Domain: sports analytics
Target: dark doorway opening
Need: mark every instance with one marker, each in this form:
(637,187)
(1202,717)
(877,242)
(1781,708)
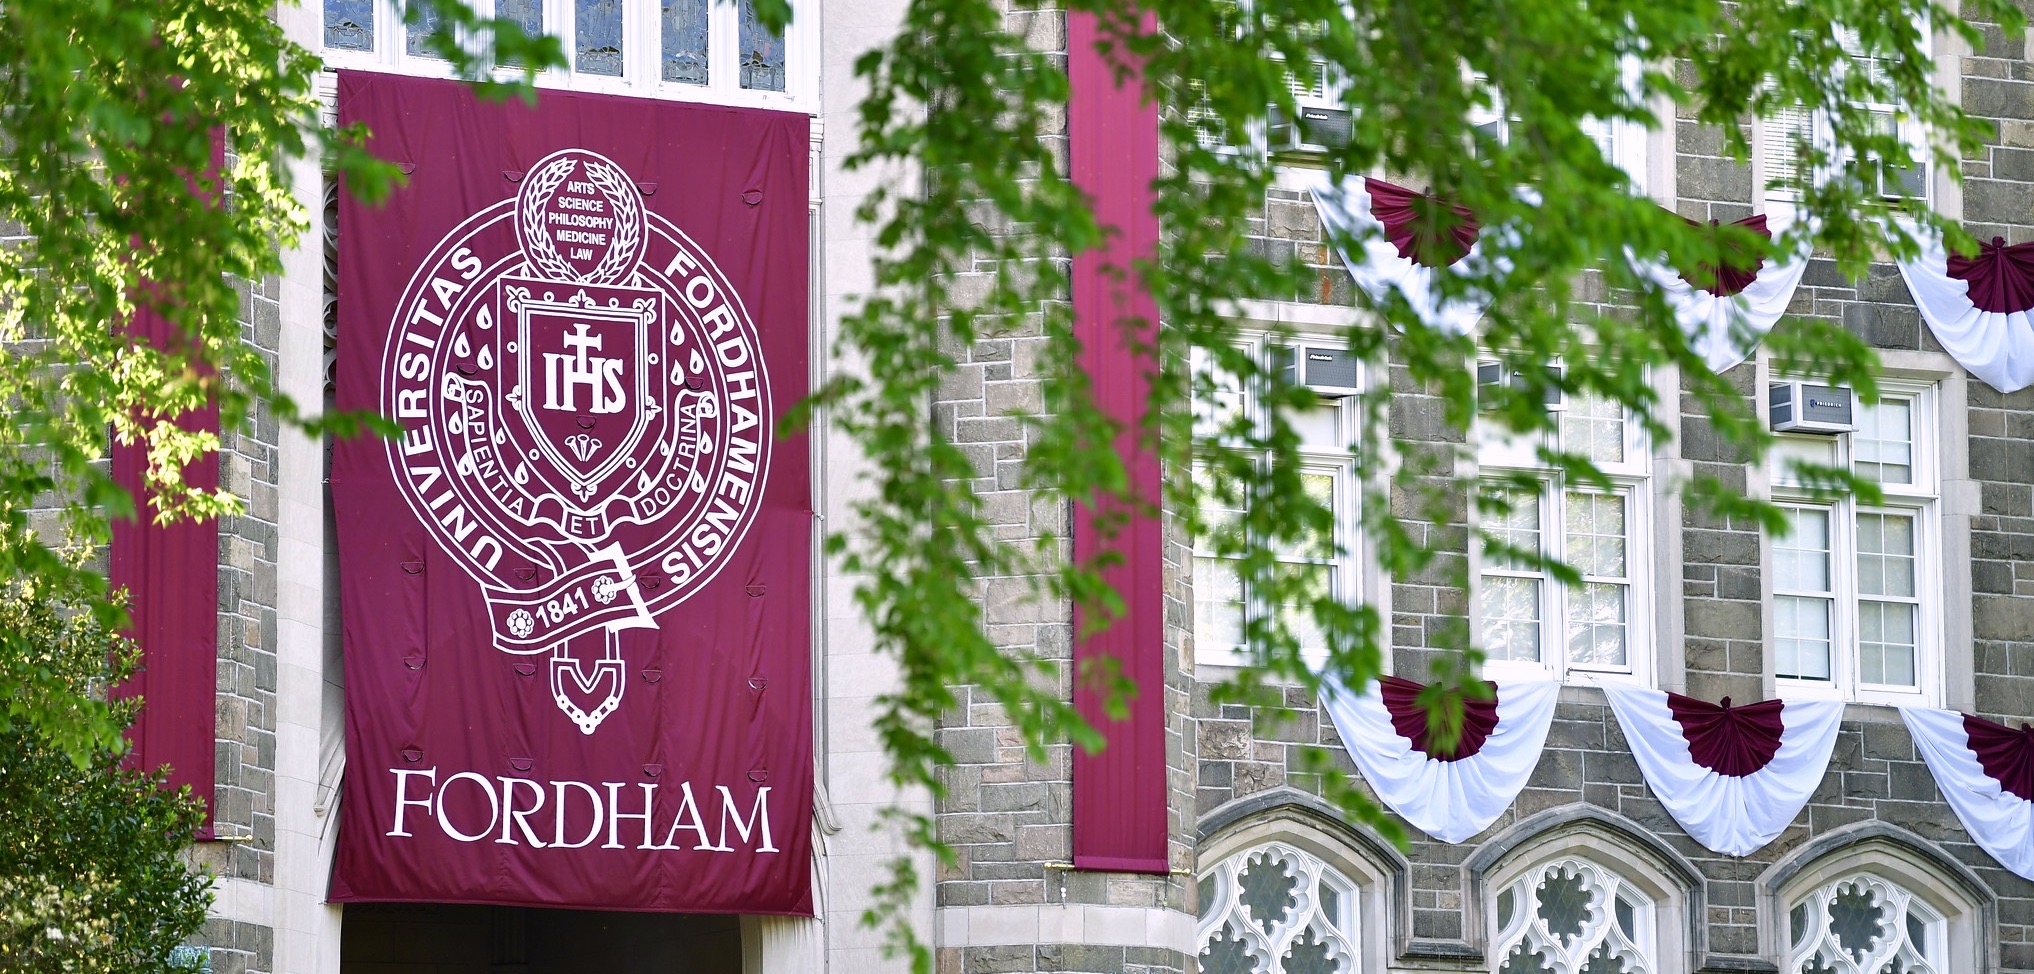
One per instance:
(432,938)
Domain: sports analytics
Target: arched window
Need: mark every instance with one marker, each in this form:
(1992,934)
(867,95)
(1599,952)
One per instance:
(1872,898)
(1571,916)
(1863,924)
(1276,909)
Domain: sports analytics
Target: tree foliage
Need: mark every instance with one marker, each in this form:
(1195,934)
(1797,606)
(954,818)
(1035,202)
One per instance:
(108,112)
(91,879)
(111,202)
(969,105)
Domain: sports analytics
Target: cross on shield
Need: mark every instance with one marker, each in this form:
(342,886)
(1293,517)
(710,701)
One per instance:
(583,371)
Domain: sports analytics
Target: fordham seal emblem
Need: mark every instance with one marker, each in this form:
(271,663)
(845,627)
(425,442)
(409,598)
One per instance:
(588,418)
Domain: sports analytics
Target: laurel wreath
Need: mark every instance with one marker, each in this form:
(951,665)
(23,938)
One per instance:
(628,223)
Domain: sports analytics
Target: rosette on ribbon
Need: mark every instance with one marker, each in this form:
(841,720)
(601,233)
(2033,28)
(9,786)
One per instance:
(1453,794)
(1734,777)
(1986,772)
(1977,307)
(1405,241)
(1726,310)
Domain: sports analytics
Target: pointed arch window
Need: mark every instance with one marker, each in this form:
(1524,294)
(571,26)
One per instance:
(1277,909)
(1864,924)
(1571,916)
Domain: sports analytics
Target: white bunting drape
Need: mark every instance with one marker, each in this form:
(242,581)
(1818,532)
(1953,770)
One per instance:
(1450,800)
(2000,822)
(1725,328)
(1378,267)
(1734,814)
(1996,345)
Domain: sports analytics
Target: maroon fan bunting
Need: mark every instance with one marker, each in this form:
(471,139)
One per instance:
(1732,741)
(1409,718)
(1414,225)
(1733,275)
(2005,754)
(2001,278)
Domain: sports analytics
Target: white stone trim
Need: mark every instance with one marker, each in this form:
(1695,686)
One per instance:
(1066,923)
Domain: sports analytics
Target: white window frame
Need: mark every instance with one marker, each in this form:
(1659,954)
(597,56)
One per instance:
(1501,453)
(1626,143)
(1921,500)
(1348,523)
(1776,134)
(1326,91)
(642,55)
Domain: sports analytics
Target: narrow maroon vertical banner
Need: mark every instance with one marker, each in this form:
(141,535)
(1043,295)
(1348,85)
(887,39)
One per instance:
(171,574)
(1119,793)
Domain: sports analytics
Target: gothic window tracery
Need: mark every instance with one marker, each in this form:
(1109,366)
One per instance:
(1570,916)
(1862,924)
(1276,909)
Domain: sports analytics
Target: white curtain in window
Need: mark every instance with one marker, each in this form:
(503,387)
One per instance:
(1379,270)
(1999,821)
(1996,346)
(1449,800)
(1734,814)
(1724,329)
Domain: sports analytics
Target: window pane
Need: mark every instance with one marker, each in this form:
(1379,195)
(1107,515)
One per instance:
(1817,450)
(685,41)
(1319,541)
(1268,891)
(349,24)
(1593,427)
(1511,617)
(762,53)
(1596,625)
(1209,130)
(1596,533)
(1310,954)
(1218,604)
(1519,526)
(1220,517)
(527,14)
(1858,920)
(1801,556)
(597,41)
(1314,581)
(1801,637)
(1227,953)
(1220,406)
(1884,442)
(415,32)
(1565,903)
(1319,428)
(1886,643)
(1885,554)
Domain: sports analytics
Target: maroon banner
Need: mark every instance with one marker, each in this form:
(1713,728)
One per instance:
(576,587)
(1119,793)
(171,574)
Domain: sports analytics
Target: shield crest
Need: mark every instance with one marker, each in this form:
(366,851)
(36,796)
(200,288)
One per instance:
(583,376)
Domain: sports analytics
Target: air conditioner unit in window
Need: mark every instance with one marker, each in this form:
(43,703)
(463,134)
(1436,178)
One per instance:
(1803,407)
(1329,371)
(1489,375)
(1321,123)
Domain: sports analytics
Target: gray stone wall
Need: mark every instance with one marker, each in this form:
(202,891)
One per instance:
(244,794)
(1998,85)
(1008,818)
(1875,775)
